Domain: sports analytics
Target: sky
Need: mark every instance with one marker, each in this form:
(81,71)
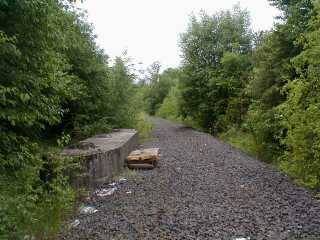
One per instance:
(149,29)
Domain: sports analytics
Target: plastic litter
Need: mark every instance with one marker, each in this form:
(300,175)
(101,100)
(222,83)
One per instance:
(113,184)
(242,238)
(28,237)
(88,210)
(122,180)
(75,223)
(129,192)
(106,192)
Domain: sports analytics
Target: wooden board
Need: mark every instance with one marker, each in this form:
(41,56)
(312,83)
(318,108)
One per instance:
(141,166)
(151,154)
(147,161)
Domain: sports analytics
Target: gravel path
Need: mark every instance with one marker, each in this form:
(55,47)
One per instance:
(202,189)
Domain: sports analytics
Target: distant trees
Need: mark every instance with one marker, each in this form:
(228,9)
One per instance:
(55,85)
(171,104)
(157,86)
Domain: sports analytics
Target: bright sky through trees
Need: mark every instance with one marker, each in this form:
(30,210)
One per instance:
(149,29)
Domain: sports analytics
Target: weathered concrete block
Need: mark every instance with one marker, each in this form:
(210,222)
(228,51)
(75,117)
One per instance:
(102,156)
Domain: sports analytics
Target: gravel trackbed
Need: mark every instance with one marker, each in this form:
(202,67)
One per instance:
(201,189)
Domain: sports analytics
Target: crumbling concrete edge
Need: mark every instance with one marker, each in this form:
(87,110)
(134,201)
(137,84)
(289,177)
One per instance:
(114,159)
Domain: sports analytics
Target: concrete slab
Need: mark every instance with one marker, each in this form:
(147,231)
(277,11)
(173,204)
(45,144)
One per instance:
(102,156)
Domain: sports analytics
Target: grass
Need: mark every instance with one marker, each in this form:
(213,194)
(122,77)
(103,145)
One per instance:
(144,126)
(241,140)
(189,122)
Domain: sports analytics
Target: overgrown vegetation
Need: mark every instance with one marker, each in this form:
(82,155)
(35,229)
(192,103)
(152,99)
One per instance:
(259,91)
(55,86)
(144,126)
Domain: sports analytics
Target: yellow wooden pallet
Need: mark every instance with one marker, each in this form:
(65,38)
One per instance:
(143,159)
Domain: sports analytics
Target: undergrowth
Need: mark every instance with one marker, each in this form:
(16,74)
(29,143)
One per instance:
(246,142)
(242,140)
(144,126)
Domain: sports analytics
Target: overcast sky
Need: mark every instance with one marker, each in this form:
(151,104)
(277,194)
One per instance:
(149,29)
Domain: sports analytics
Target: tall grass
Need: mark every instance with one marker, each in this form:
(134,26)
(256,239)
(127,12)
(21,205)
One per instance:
(144,126)
(242,140)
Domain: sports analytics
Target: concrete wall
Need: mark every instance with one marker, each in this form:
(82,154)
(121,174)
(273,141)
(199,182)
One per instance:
(102,156)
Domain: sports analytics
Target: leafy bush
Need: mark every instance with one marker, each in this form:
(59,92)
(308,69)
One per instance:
(54,81)
(144,126)
(242,140)
(170,107)
(265,127)
(301,113)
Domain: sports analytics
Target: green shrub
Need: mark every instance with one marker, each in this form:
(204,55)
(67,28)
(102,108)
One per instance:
(238,138)
(35,200)
(265,127)
(169,109)
(54,81)
(144,126)
(301,112)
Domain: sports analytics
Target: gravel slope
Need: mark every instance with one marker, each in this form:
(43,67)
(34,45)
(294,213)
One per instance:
(202,189)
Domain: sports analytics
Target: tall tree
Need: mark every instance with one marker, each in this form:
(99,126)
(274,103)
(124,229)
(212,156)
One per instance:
(212,48)
(272,71)
(54,81)
(300,113)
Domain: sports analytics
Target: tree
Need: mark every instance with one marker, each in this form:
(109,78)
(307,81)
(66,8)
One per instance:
(55,84)
(300,112)
(272,70)
(213,47)
(33,85)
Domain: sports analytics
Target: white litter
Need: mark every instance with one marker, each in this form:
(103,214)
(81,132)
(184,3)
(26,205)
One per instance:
(106,192)
(129,192)
(122,180)
(88,210)
(28,237)
(242,238)
(113,184)
(75,223)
